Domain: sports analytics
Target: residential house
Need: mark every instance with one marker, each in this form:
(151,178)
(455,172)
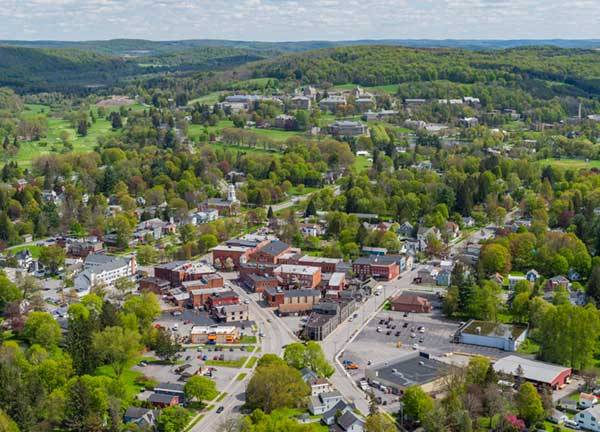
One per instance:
(322,403)
(163,400)
(83,247)
(468,222)
(203,217)
(424,233)
(24,259)
(348,422)
(452,230)
(513,280)
(406,230)
(468,122)
(532,276)
(143,417)
(443,277)
(586,400)
(557,281)
(589,419)
(301,102)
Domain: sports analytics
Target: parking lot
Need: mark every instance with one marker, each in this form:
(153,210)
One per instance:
(431,333)
(190,362)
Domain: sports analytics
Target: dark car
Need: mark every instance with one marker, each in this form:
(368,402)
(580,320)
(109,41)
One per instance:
(405,325)
(388,333)
(397,333)
(220,410)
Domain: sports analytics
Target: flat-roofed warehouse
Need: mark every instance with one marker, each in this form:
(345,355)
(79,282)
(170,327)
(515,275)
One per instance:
(548,374)
(413,369)
(506,337)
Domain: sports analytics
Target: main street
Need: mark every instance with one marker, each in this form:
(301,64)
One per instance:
(335,343)
(276,336)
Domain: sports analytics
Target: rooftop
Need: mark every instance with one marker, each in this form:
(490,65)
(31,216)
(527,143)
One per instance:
(274,248)
(532,370)
(412,369)
(297,269)
(492,329)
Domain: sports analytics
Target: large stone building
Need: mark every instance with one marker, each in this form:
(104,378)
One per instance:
(298,275)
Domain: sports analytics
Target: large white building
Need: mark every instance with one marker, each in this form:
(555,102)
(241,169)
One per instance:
(589,419)
(100,269)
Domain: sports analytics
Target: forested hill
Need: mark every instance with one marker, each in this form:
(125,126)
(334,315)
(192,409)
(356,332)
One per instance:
(66,69)
(564,71)
(141,47)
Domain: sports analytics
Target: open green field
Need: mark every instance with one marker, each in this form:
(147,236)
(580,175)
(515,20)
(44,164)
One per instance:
(276,134)
(254,83)
(127,379)
(362,163)
(33,249)
(570,163)
(29,150)
(390,88)
(209,99)
(227,363)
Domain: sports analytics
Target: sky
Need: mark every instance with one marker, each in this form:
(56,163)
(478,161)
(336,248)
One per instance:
(293,20)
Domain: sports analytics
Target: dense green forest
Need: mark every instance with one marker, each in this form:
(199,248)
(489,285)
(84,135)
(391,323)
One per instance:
(578,70)
(59,69)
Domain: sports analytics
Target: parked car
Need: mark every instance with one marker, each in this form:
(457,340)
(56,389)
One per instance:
(572,424)
(220,410)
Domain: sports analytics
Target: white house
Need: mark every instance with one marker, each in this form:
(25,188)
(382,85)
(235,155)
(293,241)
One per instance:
(322,403)
(513,280)
(587,400)
(589,419)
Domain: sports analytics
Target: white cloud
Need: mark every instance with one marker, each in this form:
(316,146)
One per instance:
(277,20)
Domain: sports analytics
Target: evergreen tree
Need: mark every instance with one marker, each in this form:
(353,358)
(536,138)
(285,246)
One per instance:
(82,128)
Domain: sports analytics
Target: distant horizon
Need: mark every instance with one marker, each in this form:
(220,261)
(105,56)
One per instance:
(294,20)
(483,39)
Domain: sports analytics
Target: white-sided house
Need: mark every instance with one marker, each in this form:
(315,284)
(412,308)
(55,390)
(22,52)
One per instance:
(203,217)
(100,269)
(319,386)
(513,280)
(322,403)
(589,419)
(532,275)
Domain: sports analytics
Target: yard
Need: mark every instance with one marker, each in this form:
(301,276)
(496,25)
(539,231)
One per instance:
(362,163)
(237,363)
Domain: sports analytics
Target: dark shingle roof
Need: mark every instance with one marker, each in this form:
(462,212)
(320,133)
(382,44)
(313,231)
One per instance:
(275,247)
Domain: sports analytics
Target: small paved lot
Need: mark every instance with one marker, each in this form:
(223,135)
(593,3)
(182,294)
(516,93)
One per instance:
(191,356)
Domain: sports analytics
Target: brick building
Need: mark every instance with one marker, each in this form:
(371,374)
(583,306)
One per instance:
(378,267)
(222,299)
(177,272)
(410,303)
(327,265)
(156,285)
(304,276)
(292,301)
(199,297)
(270,252)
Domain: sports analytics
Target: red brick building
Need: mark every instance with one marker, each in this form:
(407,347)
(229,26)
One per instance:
(327,265)
(292,301)
(258,283)
(177,272)
(222,299)
(155,285)
(269,253)
(237,255)
(199,297)
(304,276)
(213,280)
(377,267)
(410,303)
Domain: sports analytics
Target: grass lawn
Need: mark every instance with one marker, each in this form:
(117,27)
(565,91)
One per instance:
(209,99)
(29,150)
(221,397)
(276,134)
(302,190)
(529,347)
(248,339)
(242,149)
(390,88)
(34,249)
(227,363)
(194,422)
(570,163)
(362,163)
(127,379)
(241,376)
(251,362)
(253,83)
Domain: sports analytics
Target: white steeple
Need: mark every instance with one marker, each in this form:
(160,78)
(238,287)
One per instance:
(231,194)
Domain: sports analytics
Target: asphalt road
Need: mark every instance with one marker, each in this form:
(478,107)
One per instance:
(276,336)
